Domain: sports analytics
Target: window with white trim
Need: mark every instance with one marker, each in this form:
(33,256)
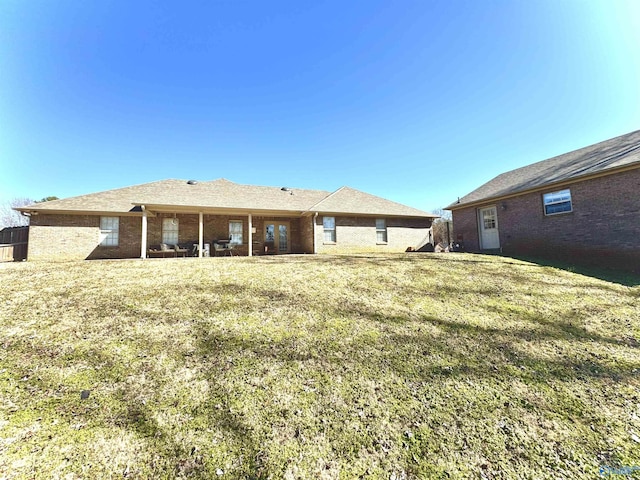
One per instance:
(557,202)
(109,231)
(235,232)
(329,225)
(170,229)
(489,218)
(381,230)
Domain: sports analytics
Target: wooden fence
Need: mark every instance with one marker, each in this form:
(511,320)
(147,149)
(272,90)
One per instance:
(13,244)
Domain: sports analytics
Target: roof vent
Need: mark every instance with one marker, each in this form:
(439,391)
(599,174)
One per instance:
(191,182)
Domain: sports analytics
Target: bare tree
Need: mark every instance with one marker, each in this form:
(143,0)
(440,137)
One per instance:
(11,218)
(442,227)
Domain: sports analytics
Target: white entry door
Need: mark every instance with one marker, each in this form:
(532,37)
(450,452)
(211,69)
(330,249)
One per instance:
(489,236)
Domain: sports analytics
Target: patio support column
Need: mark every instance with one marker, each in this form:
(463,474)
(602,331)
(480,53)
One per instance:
(200,233)
(143,241)
(250,246)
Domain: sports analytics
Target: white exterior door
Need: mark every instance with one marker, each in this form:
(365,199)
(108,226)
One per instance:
(488,222)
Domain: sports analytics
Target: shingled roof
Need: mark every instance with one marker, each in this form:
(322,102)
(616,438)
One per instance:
(224,195)
(348,200)
(605,157)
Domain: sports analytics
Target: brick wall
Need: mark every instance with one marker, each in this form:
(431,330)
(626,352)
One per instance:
(77,237)
(358,234)
(306,234)
(465,226)
(603,228)
(216,227)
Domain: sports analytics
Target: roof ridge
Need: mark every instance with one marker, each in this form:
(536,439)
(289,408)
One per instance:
(383,204)
(312,207)
(274,187)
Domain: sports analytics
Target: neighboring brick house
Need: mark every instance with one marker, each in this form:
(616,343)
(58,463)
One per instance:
(255,219)
(583,206)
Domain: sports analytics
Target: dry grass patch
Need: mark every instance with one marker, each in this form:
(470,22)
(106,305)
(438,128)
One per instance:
(407,366)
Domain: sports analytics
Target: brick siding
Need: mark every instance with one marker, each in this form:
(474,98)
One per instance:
(77,237)
(306,234)
(358,234)
(603,228)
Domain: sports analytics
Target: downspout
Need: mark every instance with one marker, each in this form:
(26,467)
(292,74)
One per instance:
(143,241)
(315,250)
(250,243)
(200,233)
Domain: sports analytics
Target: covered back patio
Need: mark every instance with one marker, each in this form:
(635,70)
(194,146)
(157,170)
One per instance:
(196,233)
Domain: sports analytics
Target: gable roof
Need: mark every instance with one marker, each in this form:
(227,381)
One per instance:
(352,201)
(222,194)
(601,158)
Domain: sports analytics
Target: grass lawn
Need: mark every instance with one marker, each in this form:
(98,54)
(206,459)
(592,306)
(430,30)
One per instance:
(393,367)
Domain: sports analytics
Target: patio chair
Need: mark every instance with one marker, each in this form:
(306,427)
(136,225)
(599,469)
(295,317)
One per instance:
(218,247)
(181,251)
(162,250)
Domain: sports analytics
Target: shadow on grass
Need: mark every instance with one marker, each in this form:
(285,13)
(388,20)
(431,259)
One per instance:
(412,361)
(428,351)
(179,447)
(508,347)
(621,277)
(475,350)
(394,361)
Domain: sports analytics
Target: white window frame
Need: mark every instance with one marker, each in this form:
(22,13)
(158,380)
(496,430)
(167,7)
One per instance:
(381,231)
(109,231)
(329,229)
(489,217)
(560,197)
(170,231)
(235,236)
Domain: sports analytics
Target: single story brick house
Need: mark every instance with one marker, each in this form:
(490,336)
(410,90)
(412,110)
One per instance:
(132,222)
(583,206)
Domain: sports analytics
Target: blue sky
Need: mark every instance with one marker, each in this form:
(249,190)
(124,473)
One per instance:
(416,101)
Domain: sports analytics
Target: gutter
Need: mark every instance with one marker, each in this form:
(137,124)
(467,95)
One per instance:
(546,186)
